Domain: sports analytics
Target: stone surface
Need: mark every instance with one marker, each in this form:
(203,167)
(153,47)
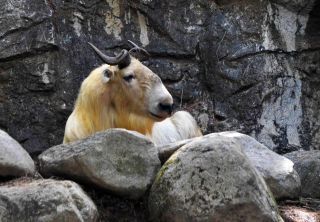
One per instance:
(14,160)
(298,214)
(47,201)
(307,164)
(165,151)
(250,66)
(258,78)
(123,162)
(210,179)
(277,171)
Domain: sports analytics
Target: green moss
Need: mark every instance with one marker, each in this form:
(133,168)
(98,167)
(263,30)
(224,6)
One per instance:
(165,167)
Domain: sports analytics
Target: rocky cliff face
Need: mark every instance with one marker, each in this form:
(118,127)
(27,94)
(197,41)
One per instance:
(250,65)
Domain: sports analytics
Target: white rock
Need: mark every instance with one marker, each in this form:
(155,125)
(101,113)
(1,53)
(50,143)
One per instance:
(277,170)
(14,160)
(307,164)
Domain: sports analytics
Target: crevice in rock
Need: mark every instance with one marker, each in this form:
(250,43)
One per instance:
(51,5)
(313,25)
(244,88)
(220,118)
(157,26)
(33,52)
(274,52)
(172,56)
(82,7)
(24,28)
(173,81)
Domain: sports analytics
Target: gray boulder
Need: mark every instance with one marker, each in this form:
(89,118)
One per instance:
(121,161)
(45,201)
(307,164)
(278,171)
(14,160)
(211,179)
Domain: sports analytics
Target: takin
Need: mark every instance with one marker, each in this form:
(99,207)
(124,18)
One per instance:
(124,93)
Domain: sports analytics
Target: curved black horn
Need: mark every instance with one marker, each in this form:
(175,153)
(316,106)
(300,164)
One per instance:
(122,56)
(137,48)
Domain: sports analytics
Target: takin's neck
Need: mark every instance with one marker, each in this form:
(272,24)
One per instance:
(134,122)
(109,118)
(98,116)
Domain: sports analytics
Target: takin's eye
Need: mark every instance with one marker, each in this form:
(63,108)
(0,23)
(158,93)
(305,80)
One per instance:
(129,78)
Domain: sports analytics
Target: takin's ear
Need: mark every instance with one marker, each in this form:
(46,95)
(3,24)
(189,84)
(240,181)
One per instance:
(107,75)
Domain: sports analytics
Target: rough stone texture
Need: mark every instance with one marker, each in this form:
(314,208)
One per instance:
(167,150)
(307,164)
(298,214)
(276,170)
(210,179)
(46,201)
(250,66)
(257,73)
(121,161)
(14,160)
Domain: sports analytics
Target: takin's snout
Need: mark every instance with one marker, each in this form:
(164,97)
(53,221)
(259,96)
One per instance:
(160,101)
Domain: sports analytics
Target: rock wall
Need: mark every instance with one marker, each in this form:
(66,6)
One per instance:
(249,65)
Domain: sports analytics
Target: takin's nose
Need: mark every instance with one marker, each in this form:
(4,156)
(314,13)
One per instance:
(166,107)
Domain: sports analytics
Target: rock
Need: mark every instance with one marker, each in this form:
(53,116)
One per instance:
(123,162)
(47,201)
(210,179)
(165,151)
(256,80)
(307,164)
(278,171)
(250,66)
(14,160)
(298,214)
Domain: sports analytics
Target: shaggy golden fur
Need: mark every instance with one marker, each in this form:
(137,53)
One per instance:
(110,102)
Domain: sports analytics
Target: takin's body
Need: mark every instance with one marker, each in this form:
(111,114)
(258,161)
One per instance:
(131,97)
(94,112)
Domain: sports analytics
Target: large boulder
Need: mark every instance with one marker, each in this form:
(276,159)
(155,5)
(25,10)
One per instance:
(278,171)
(14,160)
(121,161)
(46,201)
(307,164)
(211,179)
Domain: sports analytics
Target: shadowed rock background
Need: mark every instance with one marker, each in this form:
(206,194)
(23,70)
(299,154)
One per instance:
(251,66)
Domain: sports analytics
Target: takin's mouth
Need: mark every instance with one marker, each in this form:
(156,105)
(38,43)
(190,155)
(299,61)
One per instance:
(157,117)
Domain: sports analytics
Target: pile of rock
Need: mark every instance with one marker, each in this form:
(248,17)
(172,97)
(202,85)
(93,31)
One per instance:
(37,200)
(218,177)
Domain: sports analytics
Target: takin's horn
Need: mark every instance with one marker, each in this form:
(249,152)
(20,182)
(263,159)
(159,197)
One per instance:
(137,48)
(122,59)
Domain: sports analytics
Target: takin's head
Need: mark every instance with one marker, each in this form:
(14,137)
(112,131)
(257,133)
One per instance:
(131,87)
